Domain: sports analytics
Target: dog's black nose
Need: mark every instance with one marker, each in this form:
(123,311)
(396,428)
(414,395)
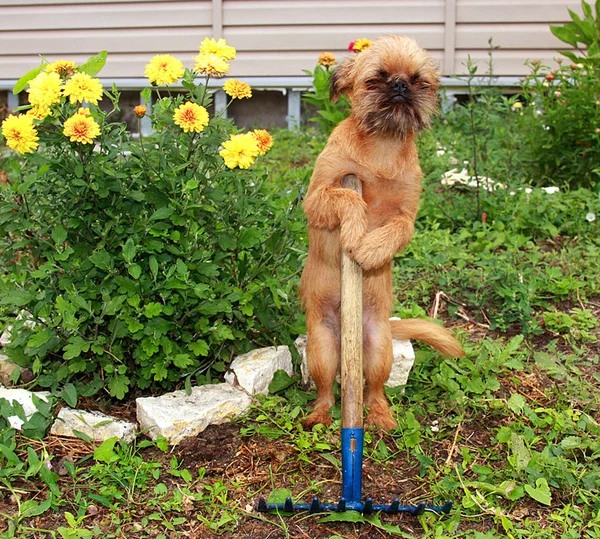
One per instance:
(399,87)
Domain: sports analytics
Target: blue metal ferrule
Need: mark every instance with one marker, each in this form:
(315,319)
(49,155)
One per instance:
(352,454)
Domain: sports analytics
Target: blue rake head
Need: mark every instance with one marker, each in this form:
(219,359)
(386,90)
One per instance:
(366,508)
(351,500)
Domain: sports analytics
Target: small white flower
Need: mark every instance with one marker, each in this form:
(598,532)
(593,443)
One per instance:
(434,428)
(440,152)
(591,217)
(551,190)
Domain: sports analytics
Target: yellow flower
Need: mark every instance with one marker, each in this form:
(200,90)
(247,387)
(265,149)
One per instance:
(211,65)
(360,44)
(39,112)
(20,133)
(326,59)
(240,150)
(81,127)
(164,69)
(191,117)
(45,90)
(264,140)
(81,87)
(64,68)
(140,111)
(237,89)
(220,48)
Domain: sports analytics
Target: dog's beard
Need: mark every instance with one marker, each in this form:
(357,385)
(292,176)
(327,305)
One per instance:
(381,114)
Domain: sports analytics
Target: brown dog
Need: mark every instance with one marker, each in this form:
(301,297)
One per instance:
(392,87)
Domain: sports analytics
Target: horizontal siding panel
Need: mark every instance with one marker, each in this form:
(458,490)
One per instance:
(91,41)
(62,2)
(272,12)
(506,36)
(546,11)
(504,62)
(324,38)
(284,64)
(87,16)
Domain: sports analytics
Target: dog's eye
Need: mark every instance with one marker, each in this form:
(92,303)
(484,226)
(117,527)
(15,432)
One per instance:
(415,79)
(383,74)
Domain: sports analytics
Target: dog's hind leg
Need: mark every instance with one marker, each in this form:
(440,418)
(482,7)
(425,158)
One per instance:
(323,352)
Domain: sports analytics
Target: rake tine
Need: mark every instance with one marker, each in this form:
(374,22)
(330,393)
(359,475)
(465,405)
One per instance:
(368,508)
(341,507)
(315,506)
(288,506)
(394,507)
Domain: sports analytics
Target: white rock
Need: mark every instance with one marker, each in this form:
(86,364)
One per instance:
(404,359)
(178,415)
(254,371)
(5,338)
(25,399)
(96,425)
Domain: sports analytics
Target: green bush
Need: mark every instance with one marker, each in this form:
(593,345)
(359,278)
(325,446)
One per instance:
(562,121)
(131,263)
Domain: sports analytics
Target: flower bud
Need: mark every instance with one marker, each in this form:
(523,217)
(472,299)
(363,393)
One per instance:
(140,111)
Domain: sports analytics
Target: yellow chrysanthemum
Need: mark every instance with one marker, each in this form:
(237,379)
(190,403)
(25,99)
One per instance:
(191,117)
(81,87)
(211,64)
(81,127)
(45,90)
(240,150)
(164,69)
(264,140)
(140,111)
(361,44)
(326,59)
(20,133)
(65,68)
(217,47)
(237,89)
(39,112)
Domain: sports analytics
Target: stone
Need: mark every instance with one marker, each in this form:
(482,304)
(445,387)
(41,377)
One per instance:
(404,359)
(96,425)
(25,399)
(7,368)
(254,371)
(5,338)
(178,415)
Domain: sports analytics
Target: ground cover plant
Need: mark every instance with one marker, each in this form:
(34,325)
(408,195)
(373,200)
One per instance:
(510,432)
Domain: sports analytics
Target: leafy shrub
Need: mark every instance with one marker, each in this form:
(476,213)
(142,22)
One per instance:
(137,262)
(563,117)
(329,113)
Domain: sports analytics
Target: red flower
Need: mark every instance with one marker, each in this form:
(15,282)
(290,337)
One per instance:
(351,46)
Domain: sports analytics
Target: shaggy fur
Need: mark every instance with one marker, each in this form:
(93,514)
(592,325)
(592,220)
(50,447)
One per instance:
(392,87)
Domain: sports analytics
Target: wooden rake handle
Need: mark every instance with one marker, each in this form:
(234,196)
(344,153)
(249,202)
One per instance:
(352,332)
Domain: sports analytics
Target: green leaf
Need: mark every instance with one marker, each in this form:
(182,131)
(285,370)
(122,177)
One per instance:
(39,339)
(161,213)
(118,385)
(281,380)
(516,403)
(541,491)
(153,266)
(152,309)
(19,298)
(94,64)
(75,347)
(279,496)
(129,250)
(69,394)
(564,34)
(59,234)
(570,442)
(24,80)
(199,348)
(182,361)
(105,451)
(101,259)
(134,270)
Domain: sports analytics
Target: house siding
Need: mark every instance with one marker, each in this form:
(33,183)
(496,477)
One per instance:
(274,38)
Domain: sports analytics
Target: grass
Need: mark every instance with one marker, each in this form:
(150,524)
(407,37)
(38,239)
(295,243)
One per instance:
(510,432)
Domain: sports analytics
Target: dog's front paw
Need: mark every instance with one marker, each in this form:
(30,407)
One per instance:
(370,256)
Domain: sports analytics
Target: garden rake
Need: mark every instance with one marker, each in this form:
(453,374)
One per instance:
(352,405)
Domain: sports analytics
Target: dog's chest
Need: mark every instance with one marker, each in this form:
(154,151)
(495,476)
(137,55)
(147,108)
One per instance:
(383,199)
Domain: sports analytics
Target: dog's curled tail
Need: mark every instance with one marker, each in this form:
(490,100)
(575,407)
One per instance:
(434,335)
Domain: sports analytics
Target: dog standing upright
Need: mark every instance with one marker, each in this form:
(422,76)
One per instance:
(392,87)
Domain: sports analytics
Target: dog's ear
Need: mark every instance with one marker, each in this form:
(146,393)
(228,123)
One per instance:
(341,79)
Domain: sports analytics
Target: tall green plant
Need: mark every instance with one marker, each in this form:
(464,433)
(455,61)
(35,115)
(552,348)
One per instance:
(137,262)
